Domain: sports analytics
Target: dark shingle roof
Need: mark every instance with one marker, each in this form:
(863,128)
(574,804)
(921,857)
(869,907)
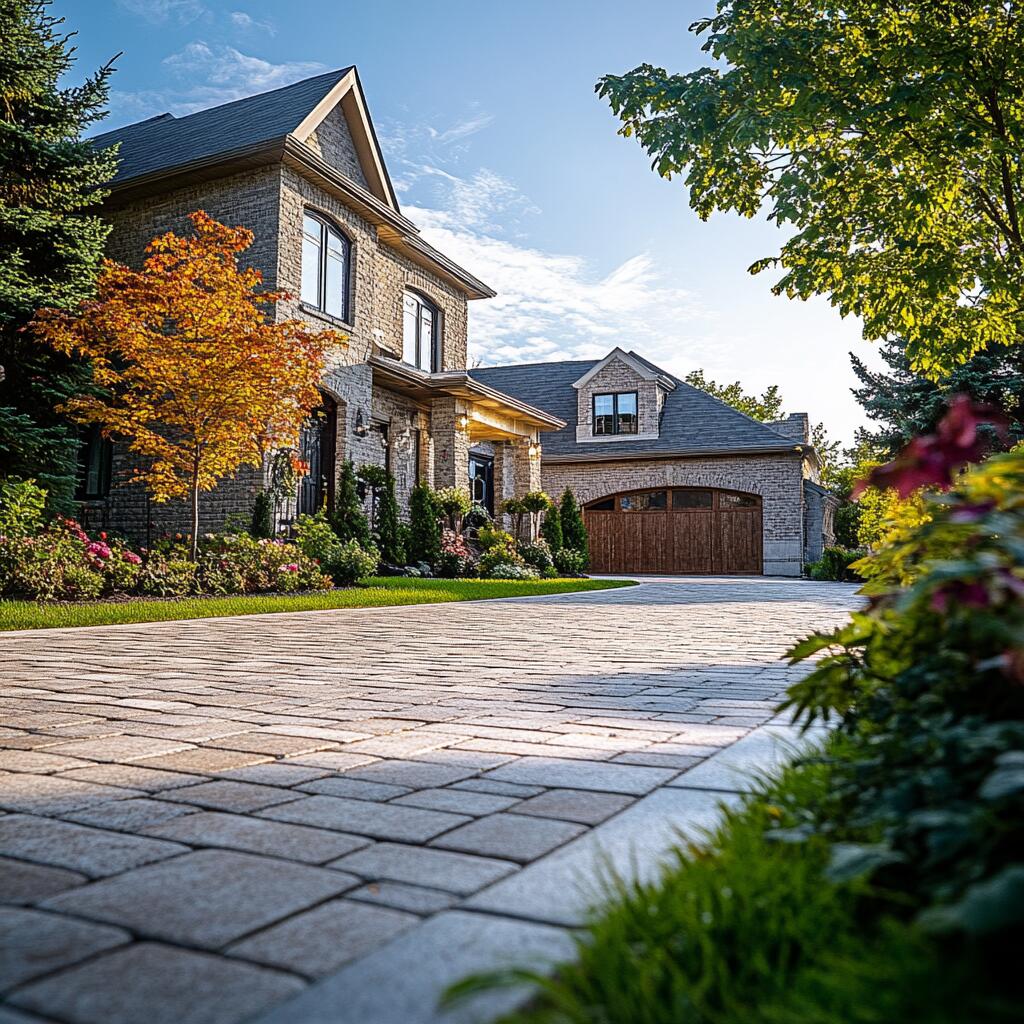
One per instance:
(691,420)
(166,141)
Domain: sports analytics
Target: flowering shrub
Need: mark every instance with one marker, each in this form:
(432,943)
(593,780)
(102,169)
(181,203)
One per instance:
(493,536)
(456,560)
(570,562)
(344,561)
(537,554)
(507,571)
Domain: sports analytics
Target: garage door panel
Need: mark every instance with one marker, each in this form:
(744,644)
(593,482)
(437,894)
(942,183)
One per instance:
(600,527)
(692,541)
(740,540)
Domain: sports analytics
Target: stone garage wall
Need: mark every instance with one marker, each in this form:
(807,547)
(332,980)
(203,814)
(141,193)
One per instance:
(778,479)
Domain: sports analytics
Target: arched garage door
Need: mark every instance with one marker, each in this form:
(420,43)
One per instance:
(675,530)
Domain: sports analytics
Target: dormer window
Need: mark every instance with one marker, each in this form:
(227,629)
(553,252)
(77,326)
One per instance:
(615,413)
(326,253)
(419,332)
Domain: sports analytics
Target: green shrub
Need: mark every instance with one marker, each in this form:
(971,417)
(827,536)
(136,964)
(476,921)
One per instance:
(835,564)
(508,571)
(348,517)
(493,536)
(516,510)
(551,528)
(424,525)
(344,561)
(569,562)
(537,554)
(454,504)
(262,515)
(22,507)
(353,563)
(389,525)
(499,554)
(168,577)
(574,533)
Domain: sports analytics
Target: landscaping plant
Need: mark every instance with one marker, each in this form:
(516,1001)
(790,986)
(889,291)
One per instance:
(262,515)
(345,561)
(348,517)
(424,525)
(535,504)
(551,528)
(390,535)
(454,504)
(574,532)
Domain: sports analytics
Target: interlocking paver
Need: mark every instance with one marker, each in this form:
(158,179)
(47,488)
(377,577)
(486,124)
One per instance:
(36,943)
(159,985)
(205,899)
(607,695)
(259,835)
(438,869)
(24,883)
(321,940)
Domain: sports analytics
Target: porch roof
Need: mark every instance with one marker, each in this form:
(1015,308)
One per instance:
(421,386)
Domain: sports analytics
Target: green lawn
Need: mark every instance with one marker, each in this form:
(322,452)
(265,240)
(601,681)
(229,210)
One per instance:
(372,593)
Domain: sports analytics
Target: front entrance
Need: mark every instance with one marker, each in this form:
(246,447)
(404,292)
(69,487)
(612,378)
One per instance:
(316,449)
(481,480)
(676,530)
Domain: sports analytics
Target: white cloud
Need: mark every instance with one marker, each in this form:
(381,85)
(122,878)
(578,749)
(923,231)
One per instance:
(160,11)
(247,23)
(209,75)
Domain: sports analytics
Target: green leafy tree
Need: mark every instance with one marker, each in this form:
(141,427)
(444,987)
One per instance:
(348,517)
(51,243)
(551,528)
(765,407)
(904,404)
(389,525)
(262,515)
(424,525)
(574,532)
(886,139)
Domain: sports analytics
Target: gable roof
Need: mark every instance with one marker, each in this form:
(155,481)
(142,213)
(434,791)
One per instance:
(642,368)
(165,143)
(692,421)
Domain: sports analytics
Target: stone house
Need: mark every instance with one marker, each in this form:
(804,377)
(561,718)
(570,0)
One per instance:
(301,167)
(671,479)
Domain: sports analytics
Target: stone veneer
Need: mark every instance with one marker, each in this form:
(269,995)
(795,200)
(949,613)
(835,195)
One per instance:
(778,479)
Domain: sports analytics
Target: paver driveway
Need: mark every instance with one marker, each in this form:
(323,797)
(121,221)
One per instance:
(202,819)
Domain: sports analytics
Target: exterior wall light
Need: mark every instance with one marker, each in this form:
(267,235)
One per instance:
(463,421)
(534,450)
(360,425)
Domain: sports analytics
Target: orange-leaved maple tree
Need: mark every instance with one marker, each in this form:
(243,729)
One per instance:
(191,369)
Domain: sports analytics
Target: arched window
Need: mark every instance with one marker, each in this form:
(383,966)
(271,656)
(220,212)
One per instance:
(419,332)
(325,266)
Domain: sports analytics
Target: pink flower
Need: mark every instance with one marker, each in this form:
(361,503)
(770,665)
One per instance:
(130,556)
(933,460)
(97,549)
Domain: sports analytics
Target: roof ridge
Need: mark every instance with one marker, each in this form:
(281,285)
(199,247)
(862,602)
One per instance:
(547,362)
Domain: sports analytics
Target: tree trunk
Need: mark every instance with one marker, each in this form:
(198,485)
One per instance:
(193,547)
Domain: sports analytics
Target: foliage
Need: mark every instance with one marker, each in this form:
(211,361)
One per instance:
(22,504)
(195,374)
(499,554)
(348,517)
(516,510)
(569,562)
(51,185)
(424,525)
(262,515)
(476,517)
(510,571)
(493,536)
(345,561)
(905,404)
(884,138)
(374,593)
(537,554)
(454,504)
(375,477)
(455,559)
(389,527)
(551,528)
(765,407)
(835,564)
(574,533)
(535,504)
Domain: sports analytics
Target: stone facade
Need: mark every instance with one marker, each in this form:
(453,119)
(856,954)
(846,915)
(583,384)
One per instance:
(778,479)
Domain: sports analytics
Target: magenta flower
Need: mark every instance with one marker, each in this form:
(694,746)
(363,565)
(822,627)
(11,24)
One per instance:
(97,549)
(130,556)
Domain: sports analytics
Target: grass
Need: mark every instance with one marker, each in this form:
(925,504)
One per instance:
(749,929)
(372,593)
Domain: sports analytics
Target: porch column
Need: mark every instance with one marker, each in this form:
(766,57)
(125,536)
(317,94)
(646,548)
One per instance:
(503,476)
(449,422)
(527,465)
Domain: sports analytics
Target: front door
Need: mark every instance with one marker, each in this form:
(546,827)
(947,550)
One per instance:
(481,480)
(316,449)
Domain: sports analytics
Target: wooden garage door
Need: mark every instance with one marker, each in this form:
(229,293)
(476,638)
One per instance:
(675,530)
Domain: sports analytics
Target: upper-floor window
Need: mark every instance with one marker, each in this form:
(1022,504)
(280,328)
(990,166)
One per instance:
(95,461)
(419,332)
(615,414)
(325,266)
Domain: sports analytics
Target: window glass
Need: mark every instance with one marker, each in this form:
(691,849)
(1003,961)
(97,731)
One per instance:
(419,332)
(409,329)
(692,499)
(95,459)
(311,269)
(737,501)
(604,505)
(604,414)
(325,255)
(648,501)
(426,359)
(626,412)
(334,285)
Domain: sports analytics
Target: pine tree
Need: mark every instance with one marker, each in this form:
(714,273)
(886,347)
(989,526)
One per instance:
(551,528)
(424,526)
(574,533)
(348,517)
(905,404)
(51,245)
(389,526)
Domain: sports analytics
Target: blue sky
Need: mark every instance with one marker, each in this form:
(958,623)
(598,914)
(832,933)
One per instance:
(507,159)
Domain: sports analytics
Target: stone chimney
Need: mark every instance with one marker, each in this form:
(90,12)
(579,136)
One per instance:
(796,425)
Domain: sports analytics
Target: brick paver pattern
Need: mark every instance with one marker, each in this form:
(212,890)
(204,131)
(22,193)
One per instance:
(213,814)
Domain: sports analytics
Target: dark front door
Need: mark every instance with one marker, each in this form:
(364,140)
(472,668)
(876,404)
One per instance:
(675,530)
(481,480)
(316,449)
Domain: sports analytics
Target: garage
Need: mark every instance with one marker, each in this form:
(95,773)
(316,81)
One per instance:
(675,530)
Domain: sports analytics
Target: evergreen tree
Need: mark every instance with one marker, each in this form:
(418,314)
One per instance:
(51,246)
(424,526)
(574,533)
(348,517)
(389,526)
(905,404)
(551,528)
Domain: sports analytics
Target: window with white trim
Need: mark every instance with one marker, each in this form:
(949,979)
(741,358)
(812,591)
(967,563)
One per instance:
(419,332)
(326,255)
